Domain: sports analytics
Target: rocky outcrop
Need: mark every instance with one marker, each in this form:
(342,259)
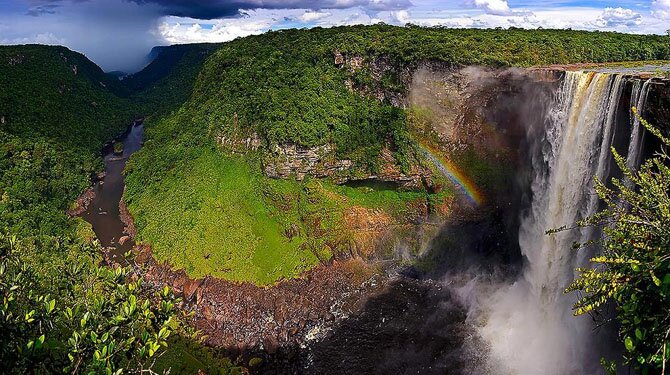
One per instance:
(293,161)
(129,228)
(238,144)
(81,204)
(369,228)
(290,160)
(379,68)
(657,110)
(417,177)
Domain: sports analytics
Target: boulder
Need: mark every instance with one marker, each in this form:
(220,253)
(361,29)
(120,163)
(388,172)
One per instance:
(190,287)
(123,240)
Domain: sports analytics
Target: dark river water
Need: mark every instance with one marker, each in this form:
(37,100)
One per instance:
(103,212)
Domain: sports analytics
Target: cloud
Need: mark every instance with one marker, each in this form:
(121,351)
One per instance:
(495,7)
(227,8)
(612,17)
(400,17)
(40,38)
(311,16)
(42,9)
(661,9)
(175,31)
(115,34)
(213,9)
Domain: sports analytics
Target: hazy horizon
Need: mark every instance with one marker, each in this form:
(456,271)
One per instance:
(119,34)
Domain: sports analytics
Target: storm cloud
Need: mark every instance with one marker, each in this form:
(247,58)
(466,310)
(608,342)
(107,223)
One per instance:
(211,9)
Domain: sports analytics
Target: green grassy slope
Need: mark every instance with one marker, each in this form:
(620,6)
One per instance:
(216,214)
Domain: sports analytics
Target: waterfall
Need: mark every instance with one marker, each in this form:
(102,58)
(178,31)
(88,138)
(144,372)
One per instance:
(529,324)
(638,100)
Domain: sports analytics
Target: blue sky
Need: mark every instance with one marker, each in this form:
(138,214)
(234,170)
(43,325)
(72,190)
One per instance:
(118,34)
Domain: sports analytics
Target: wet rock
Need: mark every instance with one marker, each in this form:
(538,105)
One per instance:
(190,288)
(123,240)
(271,344)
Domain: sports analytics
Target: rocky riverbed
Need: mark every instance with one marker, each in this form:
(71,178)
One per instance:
(242,317)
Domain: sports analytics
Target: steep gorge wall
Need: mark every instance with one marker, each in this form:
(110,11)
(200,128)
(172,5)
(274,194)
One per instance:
(451,110)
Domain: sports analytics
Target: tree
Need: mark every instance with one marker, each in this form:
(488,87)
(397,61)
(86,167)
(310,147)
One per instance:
(633,270)
(77,317)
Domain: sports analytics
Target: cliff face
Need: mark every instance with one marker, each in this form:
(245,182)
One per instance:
(290,160)
(658,104)
(452,111)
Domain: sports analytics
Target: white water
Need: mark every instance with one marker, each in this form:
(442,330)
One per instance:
(529,324)
(638,100)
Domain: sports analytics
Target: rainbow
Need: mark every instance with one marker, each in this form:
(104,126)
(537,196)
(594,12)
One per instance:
(460,179)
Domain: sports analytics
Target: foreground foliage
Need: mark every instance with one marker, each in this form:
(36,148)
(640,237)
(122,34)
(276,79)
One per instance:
(634,268)
(73,315)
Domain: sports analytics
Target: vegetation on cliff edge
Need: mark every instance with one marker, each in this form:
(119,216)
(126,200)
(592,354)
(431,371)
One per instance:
(633,270)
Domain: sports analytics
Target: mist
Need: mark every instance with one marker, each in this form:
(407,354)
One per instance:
(522,317)
(116,35)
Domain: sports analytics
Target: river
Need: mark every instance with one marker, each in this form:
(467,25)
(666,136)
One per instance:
(103,213)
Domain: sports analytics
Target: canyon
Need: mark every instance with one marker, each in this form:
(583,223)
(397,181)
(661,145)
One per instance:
(490,300)
(379,200)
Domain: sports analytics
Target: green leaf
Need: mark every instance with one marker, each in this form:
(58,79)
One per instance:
(49,306)
(39,342)
(628,343)
(655,279)
(84,320)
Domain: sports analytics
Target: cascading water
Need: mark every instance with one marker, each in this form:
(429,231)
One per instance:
(638,100)
(529,324)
